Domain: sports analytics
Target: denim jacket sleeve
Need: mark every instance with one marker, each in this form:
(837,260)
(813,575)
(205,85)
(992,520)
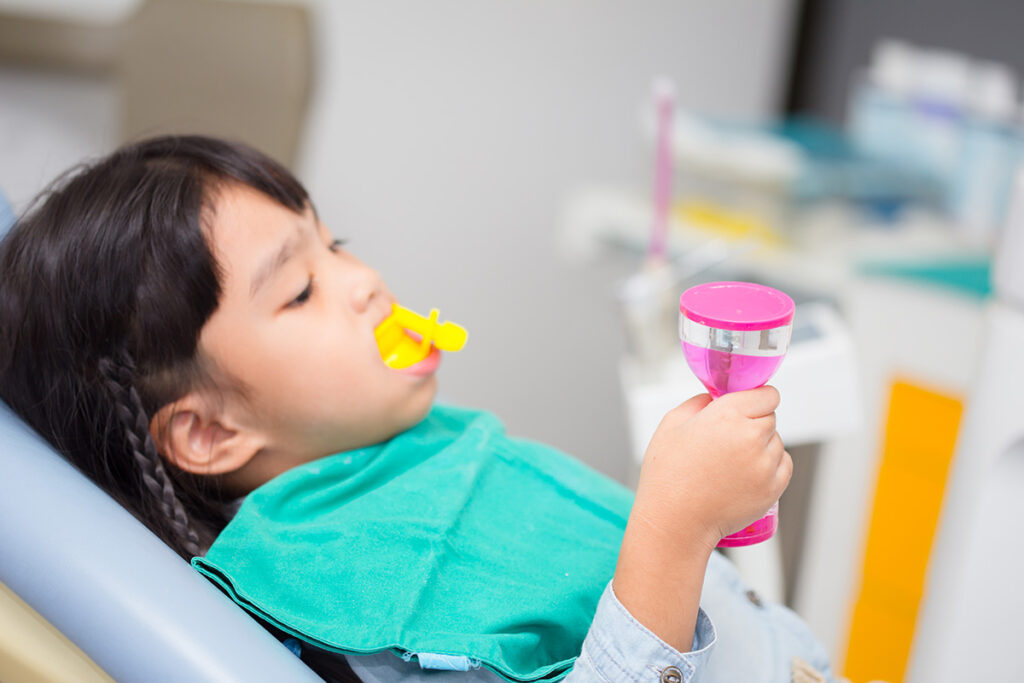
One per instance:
(620,648)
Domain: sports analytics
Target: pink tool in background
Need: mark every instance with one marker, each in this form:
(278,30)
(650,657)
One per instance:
(734,336)
(664,104)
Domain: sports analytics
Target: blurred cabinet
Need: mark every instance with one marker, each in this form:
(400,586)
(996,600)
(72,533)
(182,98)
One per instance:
(231,68)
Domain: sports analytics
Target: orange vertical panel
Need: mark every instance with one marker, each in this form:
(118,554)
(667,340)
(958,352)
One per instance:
(920,437)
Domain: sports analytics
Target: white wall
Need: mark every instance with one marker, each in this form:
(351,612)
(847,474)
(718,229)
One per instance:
(446,134)
(443,138)
(48,123)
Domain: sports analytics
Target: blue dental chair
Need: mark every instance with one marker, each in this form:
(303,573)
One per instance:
(104,581)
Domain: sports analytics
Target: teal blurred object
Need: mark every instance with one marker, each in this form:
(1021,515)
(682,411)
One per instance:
(832,168)
(821,141)
(835,168)
(966,275)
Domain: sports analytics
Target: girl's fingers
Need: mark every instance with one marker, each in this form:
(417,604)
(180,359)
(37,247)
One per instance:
(783,473)
(754,403)
(767,426)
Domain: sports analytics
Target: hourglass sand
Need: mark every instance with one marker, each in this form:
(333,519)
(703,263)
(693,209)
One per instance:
(734,336)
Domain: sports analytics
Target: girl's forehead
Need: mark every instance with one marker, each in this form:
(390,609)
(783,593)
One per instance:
(253,238)
(246,225)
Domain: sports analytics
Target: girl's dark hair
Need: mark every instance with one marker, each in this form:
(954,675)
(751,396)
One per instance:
(104,287)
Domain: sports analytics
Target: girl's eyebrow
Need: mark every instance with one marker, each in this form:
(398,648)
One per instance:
(271,265)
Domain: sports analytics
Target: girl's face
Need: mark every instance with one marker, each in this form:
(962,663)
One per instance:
(295,325)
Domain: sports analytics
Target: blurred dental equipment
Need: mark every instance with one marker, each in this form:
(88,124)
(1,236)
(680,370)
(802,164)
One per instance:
(946,115)
(973,601)
(664,101)
(645,296)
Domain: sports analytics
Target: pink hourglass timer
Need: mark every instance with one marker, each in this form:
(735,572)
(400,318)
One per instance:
(734,336)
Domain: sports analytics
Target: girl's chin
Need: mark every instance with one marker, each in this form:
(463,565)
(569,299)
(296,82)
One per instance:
(420,406)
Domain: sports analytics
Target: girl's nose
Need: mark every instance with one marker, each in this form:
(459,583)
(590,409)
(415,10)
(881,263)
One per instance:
(367,287)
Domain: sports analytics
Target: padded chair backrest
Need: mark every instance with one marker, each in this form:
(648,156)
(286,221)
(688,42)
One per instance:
(111,586)
(6,215)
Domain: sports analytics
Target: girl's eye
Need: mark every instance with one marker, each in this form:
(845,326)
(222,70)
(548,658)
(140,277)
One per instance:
(336,245)
(303,297)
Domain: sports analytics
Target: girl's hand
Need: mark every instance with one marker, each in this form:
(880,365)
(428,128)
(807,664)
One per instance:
(713,467)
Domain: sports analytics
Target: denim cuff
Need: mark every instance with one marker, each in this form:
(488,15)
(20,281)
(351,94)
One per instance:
(620,648)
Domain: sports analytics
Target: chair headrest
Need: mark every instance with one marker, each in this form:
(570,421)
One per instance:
(6,215)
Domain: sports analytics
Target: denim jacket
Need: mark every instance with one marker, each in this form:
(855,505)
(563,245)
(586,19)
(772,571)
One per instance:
(738,638)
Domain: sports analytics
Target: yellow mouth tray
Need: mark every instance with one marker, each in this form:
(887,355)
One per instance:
(399,350)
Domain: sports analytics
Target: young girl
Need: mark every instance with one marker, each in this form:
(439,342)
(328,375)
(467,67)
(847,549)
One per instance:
(178,322)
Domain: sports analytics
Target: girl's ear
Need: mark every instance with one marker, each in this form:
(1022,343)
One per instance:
(200,439)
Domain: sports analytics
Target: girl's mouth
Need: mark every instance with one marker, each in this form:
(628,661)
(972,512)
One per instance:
(411,343)
(426,366)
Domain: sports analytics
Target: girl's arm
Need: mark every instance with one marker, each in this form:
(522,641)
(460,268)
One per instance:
(659,580)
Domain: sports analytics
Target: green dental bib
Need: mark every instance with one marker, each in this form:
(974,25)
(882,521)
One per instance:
(451,543)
